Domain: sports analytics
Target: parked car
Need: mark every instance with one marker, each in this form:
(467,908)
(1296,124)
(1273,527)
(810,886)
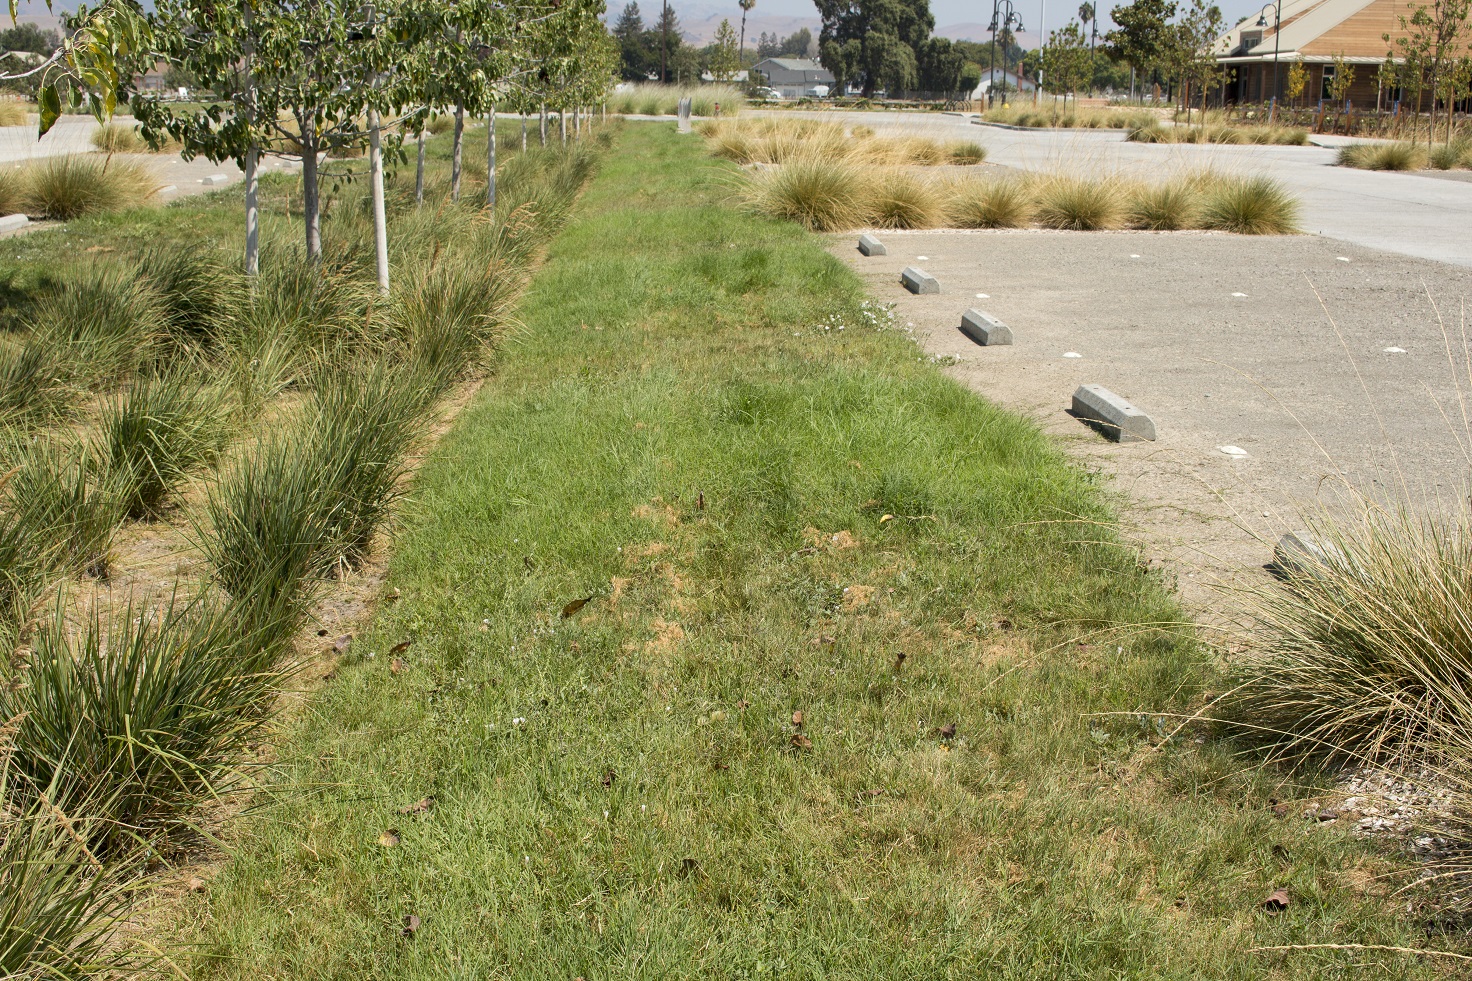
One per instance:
(817,92)
(763,92)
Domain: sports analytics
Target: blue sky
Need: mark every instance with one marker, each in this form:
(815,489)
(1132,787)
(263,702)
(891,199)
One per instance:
(980,11)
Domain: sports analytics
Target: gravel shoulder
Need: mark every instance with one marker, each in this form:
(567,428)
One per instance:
(1276,346)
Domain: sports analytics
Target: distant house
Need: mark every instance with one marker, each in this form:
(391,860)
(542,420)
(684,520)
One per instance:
(794,78)
(1313,32)
(1011,80)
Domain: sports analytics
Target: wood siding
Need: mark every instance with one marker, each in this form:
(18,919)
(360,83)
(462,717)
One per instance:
(1362,35)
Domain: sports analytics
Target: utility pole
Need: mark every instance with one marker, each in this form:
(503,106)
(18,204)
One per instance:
(664,40)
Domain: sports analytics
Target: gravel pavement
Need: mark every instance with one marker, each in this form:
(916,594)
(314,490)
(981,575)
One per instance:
(1276,346)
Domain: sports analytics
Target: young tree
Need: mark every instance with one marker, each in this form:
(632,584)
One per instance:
(1066,61)
(1188,55)
(1430,41)
(1142,34)
(1297,81)
(633,43)
(725,60)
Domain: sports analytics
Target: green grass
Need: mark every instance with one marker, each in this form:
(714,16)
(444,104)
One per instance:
(766,514)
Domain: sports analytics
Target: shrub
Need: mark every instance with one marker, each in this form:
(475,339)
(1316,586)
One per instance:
(1079,204)
(821,196)
(1371,647)
(65,508)
(33,384)
(114,138)
(655,99)
(146,711)
(154,435)
(897,200)
(990,203)
(108,322)
(364,423)
(1250,206)
(1449,156)
(58,909)
(1394,155)
(965,152)
(199,291)
(68,187)
(1166,207)
(14,190)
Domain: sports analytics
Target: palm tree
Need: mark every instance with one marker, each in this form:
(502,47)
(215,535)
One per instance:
(745,6)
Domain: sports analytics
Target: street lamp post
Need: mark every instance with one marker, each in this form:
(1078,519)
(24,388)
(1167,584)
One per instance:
(1004,19)
(1262,21)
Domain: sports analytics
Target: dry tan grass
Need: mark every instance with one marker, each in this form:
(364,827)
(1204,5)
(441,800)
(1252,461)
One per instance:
(779,141)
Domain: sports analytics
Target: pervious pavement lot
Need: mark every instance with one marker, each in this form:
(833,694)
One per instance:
(1412,214)
(1225,341)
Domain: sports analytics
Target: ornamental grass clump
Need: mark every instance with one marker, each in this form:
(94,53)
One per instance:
(68,187)
(200,291)
(897,199)
(1370,656)
(60,906)
(1066,202)
(154,435)
(107,320)
(33,381)
(1394,155)
(965,152)
(66,507)
(1249,206)
(145,711)
(13,113)
(116,138)
(1451,156)
(820,195)
(1167,207)
(14,190)
(1004,202)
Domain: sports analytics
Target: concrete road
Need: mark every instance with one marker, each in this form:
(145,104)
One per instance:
(1411,214)
(1276,346)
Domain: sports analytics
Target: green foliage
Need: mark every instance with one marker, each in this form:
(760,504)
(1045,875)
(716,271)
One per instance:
(875,44)
(59,907)
(108,321)
(33,381)
(1067,65)
(144,713)
(1079,203)
(200,291)
(155,434)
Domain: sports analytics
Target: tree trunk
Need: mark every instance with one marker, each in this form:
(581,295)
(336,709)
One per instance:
(311,196)
(562,126)
(491,159)
(252,213)
(380,220)
(419,172)
(544,124)
(523,132)
(459,150)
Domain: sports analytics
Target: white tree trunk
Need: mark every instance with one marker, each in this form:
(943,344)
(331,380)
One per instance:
(380,220)
(562,126)
(419,173)
(544,124)
(459,148)
(252,213)
(491,159)
(311,196)
(523,132)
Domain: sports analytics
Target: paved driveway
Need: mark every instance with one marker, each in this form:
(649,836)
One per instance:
(1410,214)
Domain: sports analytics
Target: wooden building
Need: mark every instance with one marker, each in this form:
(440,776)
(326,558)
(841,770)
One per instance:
(1314,32)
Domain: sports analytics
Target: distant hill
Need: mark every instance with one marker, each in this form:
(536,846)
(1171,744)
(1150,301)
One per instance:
(976,31)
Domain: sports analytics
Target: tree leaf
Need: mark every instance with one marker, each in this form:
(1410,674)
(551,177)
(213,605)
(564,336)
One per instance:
(49,102)
(1277,902)
(420,806)
(411,925)
(390,838)
(575,606)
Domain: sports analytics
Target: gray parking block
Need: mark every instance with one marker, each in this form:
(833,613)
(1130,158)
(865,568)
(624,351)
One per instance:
(869,245)
(985,329)
(11,223)
(1120,421)
(919,281)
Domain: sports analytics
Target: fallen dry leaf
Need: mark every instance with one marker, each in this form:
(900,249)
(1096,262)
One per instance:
(948,731)
(700,501)
(1277,902)
(575,606)
(196,884)
(397,665)
(400,647)
(609,777)
(420,806)
(743,705)
(389,838)
(797,719)
(899,661)
(392,597)
(1280,810)
(341,643)
(411,925)
(799,741)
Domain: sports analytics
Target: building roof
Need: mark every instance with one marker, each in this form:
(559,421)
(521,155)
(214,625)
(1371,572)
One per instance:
(1316,30)
(794,64)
